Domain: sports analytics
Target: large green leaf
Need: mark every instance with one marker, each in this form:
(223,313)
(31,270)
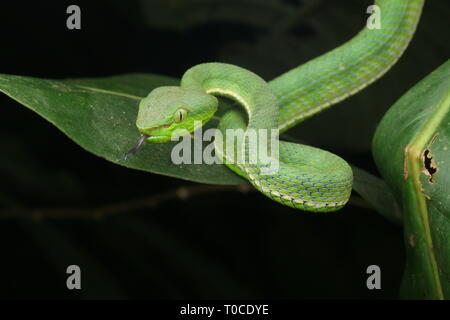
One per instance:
(100,114)
(412,150)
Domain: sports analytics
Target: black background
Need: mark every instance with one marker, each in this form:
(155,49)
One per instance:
(218,244)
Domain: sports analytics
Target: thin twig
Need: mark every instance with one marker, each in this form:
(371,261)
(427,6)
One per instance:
(181,193)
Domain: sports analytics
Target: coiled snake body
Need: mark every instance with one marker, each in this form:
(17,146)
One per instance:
(307,178)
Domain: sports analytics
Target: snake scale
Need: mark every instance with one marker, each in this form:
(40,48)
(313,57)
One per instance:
(307,178)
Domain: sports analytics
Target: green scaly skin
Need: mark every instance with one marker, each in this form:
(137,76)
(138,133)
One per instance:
(307,178)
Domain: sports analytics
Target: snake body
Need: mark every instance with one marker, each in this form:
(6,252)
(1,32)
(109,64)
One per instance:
(307,178)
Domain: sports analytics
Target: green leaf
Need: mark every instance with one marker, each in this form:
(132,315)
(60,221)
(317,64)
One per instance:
(377,193)
(412,151)
(99,114)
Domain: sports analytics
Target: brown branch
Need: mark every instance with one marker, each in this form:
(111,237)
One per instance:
(182,193)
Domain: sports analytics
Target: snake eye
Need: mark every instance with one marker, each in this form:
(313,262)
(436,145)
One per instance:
(180,115)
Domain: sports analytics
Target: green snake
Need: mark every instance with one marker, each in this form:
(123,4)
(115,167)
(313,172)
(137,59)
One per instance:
(306,178)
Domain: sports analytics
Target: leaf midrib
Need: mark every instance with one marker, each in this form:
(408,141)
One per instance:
(419,143)
(109,92)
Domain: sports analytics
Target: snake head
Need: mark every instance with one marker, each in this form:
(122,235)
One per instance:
(167,110)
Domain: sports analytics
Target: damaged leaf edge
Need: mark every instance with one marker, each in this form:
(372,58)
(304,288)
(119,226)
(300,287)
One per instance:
(414,165)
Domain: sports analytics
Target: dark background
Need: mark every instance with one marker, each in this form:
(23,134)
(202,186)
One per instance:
(220,242)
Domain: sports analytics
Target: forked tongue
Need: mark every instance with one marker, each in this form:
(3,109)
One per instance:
(135,148)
